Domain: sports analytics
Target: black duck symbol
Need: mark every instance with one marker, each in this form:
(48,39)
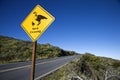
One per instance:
(38,18)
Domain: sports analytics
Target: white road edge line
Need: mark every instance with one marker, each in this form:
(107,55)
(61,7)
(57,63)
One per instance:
(49,72)
(11,69)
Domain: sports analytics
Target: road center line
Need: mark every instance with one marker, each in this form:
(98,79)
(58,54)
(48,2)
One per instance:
(11,69)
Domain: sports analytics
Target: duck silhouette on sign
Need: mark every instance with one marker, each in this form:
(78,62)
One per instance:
(38,18)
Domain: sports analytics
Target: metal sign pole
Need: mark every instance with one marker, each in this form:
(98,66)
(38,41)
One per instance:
(32,75)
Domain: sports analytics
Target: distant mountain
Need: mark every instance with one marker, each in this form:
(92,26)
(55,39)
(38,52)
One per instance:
(12,50)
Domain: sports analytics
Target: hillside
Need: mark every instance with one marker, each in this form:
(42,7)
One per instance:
(88,67)
(12,50)
(93,67)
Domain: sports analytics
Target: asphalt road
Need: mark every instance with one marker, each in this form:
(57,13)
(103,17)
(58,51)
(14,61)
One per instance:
(21,70)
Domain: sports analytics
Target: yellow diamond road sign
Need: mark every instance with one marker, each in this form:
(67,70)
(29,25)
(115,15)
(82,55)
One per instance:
(37,22)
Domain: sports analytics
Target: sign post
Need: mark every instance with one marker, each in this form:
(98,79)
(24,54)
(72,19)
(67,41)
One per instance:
(34,25)
(33,61)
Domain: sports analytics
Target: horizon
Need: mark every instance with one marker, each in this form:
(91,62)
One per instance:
(60,47)
(81,26)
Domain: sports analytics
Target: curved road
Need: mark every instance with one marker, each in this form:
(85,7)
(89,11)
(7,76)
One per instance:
(21,70)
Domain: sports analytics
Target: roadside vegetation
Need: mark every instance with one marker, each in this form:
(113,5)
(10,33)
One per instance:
(14,50)
(88,67)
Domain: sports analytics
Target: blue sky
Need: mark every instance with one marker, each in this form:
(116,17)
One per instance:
(80,25)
